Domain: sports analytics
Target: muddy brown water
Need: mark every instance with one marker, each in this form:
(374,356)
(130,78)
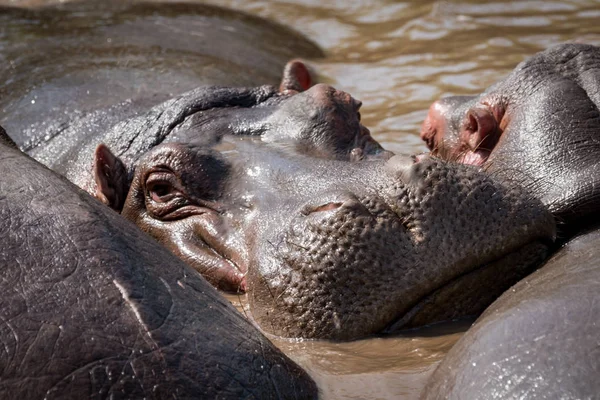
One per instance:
(398,57)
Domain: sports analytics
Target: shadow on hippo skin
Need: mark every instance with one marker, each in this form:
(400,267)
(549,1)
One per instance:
(94,308)
(7,140)
(538,127)
(537,341)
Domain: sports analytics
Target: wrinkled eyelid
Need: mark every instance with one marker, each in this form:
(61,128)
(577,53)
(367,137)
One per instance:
(159,175)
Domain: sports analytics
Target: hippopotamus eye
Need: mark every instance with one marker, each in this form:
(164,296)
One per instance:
(161,187)
(159,191)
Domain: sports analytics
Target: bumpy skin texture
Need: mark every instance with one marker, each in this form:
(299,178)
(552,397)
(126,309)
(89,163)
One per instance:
(538,127)
(338,249)
(382,249)
(93,308)
(538,341)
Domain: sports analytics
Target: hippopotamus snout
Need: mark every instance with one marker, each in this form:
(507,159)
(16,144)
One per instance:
(326,122)
(389,246)
(463,128)
(328,96)
(537,127)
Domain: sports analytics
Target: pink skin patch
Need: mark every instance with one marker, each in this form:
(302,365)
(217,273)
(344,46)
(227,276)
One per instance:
(478,135)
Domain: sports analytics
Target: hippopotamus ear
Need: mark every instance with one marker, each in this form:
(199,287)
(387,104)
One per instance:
(4,138)
(296,77)
(481,128)
(110,176)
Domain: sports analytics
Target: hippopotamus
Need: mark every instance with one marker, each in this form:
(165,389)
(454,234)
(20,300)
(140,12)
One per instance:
(537,127)
(540,126)
(91,307)
(304,235)
(539,340)
(77,136)
(282,192)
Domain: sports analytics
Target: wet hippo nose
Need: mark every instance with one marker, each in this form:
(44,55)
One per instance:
(328,206)
(331,204)
(436,123)
(325,94)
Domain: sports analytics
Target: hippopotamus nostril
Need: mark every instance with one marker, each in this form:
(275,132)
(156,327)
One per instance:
(400,166)
(323,207)
(357,105)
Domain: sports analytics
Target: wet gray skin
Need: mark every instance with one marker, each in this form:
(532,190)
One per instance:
(93,308)
(338,249)
(537,341)
(539,126)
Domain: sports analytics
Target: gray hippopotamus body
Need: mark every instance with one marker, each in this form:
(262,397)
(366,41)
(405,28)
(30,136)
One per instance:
(93,308)
(102,61)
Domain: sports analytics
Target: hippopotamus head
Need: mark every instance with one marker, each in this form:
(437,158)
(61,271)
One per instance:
(338,248)
(538,127)
(317,120)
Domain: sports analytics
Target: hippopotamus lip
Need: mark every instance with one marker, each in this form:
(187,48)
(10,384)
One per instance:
(475,157)
(404,319)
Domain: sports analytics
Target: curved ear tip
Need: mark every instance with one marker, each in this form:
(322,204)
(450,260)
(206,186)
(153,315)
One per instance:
(295,63)
(102,152)
(296,76)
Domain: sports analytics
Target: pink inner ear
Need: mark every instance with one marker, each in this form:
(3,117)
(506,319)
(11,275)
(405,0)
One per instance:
(480,129)
(296,77)
(110,178)
(479,135)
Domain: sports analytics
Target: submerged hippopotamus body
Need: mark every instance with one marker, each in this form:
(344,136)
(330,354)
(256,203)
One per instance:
(538,127)
(93,308)
(84,66)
